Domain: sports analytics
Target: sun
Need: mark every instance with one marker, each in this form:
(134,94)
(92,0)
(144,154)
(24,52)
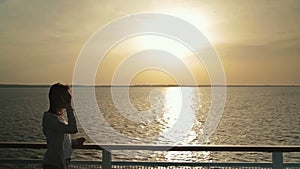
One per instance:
(173,45)
(202,17)
(198,18)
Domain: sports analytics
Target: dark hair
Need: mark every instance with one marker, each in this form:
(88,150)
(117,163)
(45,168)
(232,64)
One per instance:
(58,94)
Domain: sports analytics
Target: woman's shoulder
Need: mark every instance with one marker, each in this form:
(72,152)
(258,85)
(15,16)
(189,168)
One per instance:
(48,119)
(50,115)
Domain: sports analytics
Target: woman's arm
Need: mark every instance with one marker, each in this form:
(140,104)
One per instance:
(71,120)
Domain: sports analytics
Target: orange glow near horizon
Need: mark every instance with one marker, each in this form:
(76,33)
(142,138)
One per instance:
(152,76)
(125,49)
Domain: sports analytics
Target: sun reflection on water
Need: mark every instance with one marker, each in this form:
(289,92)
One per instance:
(179,113)
(181,105)
(172,105)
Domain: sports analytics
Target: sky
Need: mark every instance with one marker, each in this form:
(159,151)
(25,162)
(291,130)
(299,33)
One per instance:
(258,42)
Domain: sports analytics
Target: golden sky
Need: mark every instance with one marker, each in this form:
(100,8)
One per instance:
(258,41)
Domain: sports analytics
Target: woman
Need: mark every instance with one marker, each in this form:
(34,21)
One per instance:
(57,130)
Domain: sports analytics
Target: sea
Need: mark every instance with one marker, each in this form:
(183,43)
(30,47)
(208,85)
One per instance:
(160,115)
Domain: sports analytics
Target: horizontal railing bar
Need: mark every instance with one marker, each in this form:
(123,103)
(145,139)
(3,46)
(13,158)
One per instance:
(40,161)
(288,165)
(216,164)
(205,148)
(137,163)
(20,161)
(248,148)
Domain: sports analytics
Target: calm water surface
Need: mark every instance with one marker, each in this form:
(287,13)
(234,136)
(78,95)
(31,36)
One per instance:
(252,115)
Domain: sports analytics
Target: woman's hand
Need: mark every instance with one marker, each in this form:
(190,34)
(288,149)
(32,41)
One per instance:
(78,141)
(68,98)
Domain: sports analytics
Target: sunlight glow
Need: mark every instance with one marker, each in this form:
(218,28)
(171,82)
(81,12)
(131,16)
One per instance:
(198,18)
(161,42)
(129,47)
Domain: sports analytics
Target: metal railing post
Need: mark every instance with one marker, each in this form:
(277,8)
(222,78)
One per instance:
(277,160)
(106,159)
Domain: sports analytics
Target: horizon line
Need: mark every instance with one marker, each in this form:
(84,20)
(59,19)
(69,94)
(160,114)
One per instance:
(157,85)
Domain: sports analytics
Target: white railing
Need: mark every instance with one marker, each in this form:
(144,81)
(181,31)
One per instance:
(107,150)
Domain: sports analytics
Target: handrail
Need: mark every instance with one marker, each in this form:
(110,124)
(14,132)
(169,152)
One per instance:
(276,150)
(236,148)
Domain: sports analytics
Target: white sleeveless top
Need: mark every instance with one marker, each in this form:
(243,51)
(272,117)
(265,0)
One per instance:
(67,141)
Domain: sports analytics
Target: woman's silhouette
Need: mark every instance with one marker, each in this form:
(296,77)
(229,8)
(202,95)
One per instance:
(57,130)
